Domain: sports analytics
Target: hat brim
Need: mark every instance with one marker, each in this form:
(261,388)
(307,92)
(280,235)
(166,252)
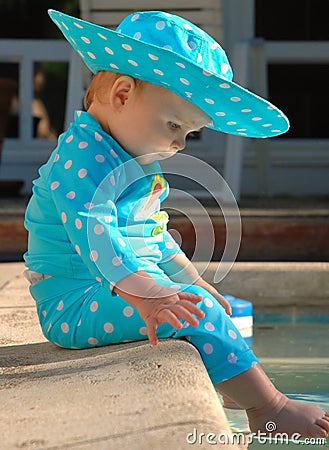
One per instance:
(232,108)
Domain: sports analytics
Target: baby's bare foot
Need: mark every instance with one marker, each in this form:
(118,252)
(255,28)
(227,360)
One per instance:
(289,416)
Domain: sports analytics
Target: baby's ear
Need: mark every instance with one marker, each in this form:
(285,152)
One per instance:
(122,89)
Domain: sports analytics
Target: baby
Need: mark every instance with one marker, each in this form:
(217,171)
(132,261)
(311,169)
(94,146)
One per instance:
(102,266)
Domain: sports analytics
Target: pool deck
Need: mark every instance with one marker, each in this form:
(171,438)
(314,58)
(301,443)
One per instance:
(129,396)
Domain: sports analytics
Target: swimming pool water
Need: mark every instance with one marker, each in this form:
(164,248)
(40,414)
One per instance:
(296,358)
(304,386)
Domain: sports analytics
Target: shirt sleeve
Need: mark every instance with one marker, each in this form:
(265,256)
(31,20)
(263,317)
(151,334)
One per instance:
(85,180)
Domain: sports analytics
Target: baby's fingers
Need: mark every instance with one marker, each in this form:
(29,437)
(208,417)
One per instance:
(189,296)
(151,326)
(164,316)
(192,308)
(225,304)
(168,315)
(184,314)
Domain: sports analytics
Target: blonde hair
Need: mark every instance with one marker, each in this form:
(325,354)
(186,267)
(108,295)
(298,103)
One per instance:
(100,84)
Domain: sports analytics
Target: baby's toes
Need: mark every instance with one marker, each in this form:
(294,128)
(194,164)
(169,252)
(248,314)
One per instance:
(326,419)
(324,424)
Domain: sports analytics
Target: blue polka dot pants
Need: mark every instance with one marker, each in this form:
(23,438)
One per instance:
(79,314)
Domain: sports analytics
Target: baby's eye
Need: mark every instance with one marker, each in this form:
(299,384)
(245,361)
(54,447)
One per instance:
(173,125)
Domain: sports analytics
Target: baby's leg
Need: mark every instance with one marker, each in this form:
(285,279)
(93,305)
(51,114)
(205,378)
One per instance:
(223,350)
(82,314)
(232,365)
(255,393)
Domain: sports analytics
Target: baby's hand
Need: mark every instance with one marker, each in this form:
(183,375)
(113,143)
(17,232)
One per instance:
(157,304)
(180,305)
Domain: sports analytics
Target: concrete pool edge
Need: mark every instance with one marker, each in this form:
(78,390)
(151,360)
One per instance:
(274,283)
(277,283)
(128,396)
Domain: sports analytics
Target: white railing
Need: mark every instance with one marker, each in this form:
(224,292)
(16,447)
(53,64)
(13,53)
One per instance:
(250,61)
(22,156)
(205,13)
(25,53)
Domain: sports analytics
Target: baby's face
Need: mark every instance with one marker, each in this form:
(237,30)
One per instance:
(155,124)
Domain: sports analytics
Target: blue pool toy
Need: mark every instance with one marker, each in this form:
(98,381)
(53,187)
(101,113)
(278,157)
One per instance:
(242,316)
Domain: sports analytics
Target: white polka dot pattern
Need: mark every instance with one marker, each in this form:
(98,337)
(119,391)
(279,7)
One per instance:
(94,306)
(208,302)
(201,65)
(232,358)
(128,311)
(60,305)
(83,144)
(108,327)
(65,327)
(232,334)
(209,326)
(99,229)
(78,224)
(71,195)
(82,173)
(94,255)
(208,348)
(54,185)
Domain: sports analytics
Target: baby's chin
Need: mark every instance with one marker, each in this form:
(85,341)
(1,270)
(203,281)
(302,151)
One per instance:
(164,155)
(149,158)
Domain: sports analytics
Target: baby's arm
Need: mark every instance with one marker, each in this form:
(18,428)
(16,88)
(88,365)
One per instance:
(157,304)
(181,270)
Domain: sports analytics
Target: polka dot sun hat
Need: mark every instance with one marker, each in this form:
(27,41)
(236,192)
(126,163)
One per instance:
(169,51)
